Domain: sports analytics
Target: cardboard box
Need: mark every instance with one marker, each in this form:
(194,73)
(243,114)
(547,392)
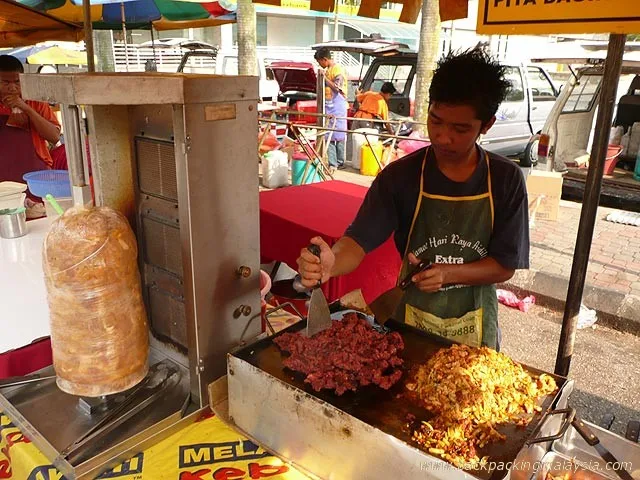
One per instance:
(545,190)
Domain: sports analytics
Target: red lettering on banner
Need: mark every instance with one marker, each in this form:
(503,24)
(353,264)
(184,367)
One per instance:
(263,471)
(194,475)
(5,451)
(206,415)
(16,437)
(228,473)
(5,469)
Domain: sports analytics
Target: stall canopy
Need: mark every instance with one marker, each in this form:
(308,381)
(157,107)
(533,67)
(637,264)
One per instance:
(21,25)
(388,30)
(449,9)
(47,55)
(162,14)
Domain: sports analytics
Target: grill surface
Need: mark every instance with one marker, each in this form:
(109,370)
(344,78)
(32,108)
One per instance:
(388,410)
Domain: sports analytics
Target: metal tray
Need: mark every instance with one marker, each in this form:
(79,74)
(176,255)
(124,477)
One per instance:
(572,445)
(388,410)
(559,465)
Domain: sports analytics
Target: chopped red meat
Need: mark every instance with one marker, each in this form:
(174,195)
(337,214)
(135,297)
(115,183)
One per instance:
(345,356)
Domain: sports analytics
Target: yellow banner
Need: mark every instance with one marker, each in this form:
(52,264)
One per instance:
(558,16)
(205,450)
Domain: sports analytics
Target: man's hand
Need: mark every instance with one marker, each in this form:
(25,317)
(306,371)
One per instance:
(335,87)
(14,101)
(312,268)
(429,281)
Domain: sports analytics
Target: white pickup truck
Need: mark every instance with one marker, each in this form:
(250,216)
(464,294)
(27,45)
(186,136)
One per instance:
(226,63)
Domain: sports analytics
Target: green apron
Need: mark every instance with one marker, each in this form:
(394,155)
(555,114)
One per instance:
(452,230)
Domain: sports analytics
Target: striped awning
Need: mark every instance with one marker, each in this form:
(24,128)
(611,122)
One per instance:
(163,14)
(20,25)
(449,9)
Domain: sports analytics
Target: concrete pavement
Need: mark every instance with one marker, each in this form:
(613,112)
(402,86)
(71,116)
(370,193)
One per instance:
(613,275)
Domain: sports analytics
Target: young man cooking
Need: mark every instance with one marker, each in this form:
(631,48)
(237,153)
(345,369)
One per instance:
(452,203)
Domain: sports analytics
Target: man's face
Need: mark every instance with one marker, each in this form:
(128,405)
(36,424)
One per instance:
(323,62)
(9,84)
(454,129)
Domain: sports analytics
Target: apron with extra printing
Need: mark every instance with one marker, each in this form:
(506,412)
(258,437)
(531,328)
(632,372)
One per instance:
(452,230)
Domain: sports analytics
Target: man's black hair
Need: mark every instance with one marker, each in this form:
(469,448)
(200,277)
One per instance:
(387,87)
(322,52)
(9,63)
(472,78)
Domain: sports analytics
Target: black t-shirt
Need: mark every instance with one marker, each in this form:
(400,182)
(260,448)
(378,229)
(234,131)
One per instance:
(390,204)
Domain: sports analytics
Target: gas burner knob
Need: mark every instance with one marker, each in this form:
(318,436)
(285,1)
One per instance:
(244,271)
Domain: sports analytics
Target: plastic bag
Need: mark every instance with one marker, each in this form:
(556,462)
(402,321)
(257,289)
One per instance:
(99,332)
(412,144)
(586,317)
(510,299)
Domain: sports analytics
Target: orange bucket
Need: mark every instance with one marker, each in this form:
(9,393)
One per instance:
(613,152)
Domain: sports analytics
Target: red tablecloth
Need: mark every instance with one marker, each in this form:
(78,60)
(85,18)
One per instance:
(25,360)
(290,217)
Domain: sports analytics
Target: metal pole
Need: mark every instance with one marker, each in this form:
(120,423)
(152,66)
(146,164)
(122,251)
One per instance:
(76,154)
(335,20)
(612,69)
(88,35)
(124,35)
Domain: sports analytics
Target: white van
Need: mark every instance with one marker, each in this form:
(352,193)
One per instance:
(570,125)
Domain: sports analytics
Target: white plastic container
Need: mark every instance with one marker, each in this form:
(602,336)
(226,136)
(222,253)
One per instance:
(634,141)
(15,200)
(275,169)
(12,195)
(358,140)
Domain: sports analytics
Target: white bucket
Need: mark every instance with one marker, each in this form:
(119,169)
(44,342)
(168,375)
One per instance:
(275,169)
(358,140)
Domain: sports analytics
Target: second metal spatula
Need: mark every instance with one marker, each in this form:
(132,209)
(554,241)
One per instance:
(384,307)
(318,318)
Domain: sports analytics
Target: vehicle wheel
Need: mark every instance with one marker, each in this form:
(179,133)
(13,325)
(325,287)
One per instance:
(48,69)
(530,156)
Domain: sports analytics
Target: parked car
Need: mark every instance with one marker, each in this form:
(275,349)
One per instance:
(570,125)
(177,43)
(522,114)
(226,63)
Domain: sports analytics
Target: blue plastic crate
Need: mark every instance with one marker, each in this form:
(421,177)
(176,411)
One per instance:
(55,182)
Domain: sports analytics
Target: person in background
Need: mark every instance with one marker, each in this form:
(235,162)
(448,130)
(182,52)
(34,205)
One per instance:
(374,106)
(462,209)
(335,103)
(27,127)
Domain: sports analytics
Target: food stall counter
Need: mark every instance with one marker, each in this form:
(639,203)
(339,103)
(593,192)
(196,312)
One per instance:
(25,313)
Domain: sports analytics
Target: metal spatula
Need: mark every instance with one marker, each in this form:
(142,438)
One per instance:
(318,318)
(385,305)
(591,438)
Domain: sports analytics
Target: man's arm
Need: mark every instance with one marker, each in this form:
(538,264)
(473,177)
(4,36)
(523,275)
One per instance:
(375,221)
(482,272)
(44,127)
